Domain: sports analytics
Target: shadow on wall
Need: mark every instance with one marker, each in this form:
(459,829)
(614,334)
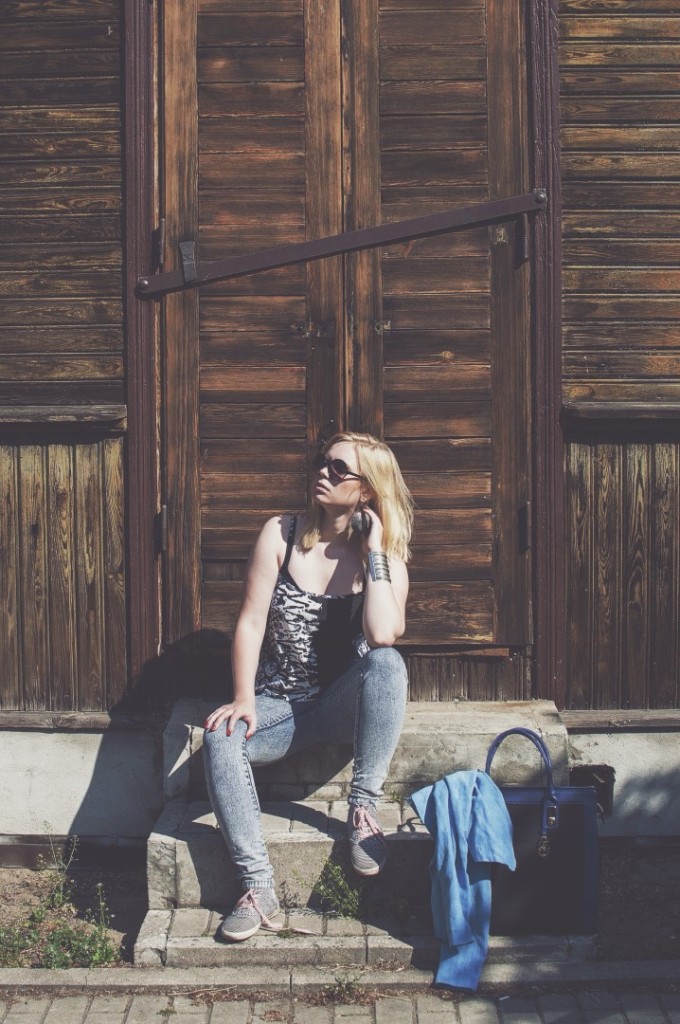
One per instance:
(121,769)
(646,801)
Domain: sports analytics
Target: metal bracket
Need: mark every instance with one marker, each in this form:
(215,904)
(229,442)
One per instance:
(524,527)
(187,252)
(161,530)
(158,245)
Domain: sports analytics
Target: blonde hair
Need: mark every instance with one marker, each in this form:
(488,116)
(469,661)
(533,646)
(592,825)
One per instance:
(391,499)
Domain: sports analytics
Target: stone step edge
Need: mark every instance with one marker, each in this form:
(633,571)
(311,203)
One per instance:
(363,946)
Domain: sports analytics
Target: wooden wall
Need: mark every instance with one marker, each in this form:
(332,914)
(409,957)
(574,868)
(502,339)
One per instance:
(62,411)
(620,95)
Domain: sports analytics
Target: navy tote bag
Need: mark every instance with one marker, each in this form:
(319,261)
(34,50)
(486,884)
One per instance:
(554,888)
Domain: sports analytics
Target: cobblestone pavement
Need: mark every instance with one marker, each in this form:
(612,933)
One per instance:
(598,1006)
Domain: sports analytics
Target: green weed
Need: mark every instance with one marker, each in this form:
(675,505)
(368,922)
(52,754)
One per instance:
(337,893)
(51,936)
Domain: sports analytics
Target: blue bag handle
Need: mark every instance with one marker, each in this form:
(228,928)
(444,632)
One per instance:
(550,814)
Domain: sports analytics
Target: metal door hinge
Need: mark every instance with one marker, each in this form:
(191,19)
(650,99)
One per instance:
(524,527)
(161,530)
(187,252)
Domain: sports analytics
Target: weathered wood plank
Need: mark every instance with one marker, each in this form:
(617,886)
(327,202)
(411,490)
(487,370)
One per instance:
(407,348)
(251,454)
(33,587)
(434,419)
(635,29)
(252,384)
(99,283)
(242,134)
(619,81)
(617,8)
(413,27)
(432,61)
(80,118)
(635,577)
(470,381)
(251,64)
(266,419)
(450,454)
(235,207)
(437,312)
(82,173)
(16,312)
(47,340)
(420,276)
(627,55)
(250,349)
(252,100)
(615,196)
(70,146)
(644,392)
(438,131)
(87,10)
(53,228)
(449,613)
(620,165)
(217,241)
(622,365)
(466,97)
(114,623)
(627,224)
(240,169)
(52,256)
(621,307)
(59,64)
(404,202)
(89,577)
(10,637)
(664,564)
(245,313)
(580,589)
(81,393)
(61,554)
(607,552)
(436,527)
(622,279)
(628,138)
(450,490)
(250,28)
(221,6)
(622,336)
(252,491)
(42,91)
(621,253)
(53,34)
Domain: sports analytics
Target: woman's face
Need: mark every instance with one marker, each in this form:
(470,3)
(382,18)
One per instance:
(331,492)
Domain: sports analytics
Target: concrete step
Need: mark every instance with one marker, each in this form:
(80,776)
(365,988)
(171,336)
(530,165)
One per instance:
(437,738)
(189,938)
(188,864)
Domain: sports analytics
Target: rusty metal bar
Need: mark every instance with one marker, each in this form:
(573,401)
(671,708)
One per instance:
(479,215)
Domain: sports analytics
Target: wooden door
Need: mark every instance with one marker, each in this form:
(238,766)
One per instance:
(294,119)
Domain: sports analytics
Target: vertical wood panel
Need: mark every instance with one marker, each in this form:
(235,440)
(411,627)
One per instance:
(323,197)
(580,577)
(606,637)
(508,175)
(89,577)
(664,628)
(33,577)
(635,689)
(114,571)
(361,123)
(10,663)
(181,419)
(62,598)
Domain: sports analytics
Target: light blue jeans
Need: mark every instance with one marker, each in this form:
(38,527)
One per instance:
(364,707)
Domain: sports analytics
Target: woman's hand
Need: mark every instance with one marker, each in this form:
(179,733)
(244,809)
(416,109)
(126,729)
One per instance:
(231,714)
(373,540)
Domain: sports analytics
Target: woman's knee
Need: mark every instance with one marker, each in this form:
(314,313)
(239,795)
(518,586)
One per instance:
(387,664)
(220,748)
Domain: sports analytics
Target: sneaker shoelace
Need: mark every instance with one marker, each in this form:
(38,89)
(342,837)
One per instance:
(364,825)
(249,901)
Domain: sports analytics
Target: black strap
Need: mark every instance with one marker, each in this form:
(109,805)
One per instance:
(289,543)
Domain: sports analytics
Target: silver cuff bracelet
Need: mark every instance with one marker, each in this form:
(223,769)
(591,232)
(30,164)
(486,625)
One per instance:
(378,566)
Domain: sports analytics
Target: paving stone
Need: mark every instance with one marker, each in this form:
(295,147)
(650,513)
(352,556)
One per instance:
(394,1010)
(671,1003)
(230,1012)
(108,1004)
(27,1011)
(604,1016)
(186,1005)
(271,1010)
(310,816)
(145,1009)
(152,940)
(430,1004)
(311,922)
(598,999)
(477,1010)
(304,1014)
(559,1009)
(352,1015)
(343,926)
(643,1008)
(69,1010)
(518,1010)
(189,921)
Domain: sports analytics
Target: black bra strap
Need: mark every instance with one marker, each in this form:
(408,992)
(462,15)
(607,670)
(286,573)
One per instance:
(289,544)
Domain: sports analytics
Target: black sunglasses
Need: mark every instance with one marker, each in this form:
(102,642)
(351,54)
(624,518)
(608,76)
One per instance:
(338,470)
